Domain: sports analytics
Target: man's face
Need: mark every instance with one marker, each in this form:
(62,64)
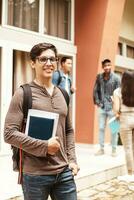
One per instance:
(107,67)
(67,66)
(45,64)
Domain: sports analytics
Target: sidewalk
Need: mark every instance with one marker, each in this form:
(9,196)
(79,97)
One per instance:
(100,175)
(98,169)
(109,190)
(94,170)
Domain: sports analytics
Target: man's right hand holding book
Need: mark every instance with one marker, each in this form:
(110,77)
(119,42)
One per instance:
(53,145)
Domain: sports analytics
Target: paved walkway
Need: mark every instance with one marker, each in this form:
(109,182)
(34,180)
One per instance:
(110,190)
(93,170)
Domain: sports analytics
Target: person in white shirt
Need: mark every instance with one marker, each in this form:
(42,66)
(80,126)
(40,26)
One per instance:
(123,105)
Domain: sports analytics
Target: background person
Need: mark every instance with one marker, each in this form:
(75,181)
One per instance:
(123,104)
(62,77)
(105,84)
(49,166)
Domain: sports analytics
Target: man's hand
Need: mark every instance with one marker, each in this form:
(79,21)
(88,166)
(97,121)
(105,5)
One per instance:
(53,145)
(73,89)
(117,115)
(74,167)
(99,105)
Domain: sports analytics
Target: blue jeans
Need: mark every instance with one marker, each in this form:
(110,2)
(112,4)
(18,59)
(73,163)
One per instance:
(103,117)
(59,186)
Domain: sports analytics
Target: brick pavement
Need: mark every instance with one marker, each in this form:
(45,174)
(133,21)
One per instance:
(110,190)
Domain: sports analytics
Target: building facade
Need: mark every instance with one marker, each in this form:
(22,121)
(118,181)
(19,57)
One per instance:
(24,23)
(88,31)
(103,29)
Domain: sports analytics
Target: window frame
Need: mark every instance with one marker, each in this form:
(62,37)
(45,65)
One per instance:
(119,49)
(128,48)
(123,62)
(41,21)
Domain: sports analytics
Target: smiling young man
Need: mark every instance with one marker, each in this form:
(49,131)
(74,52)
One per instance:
(49,166)
(105,84)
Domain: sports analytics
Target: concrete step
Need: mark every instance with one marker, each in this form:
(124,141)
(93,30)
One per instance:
(90,180)
(98,169)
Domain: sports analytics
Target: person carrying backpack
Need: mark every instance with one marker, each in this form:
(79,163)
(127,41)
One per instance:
(62,77)
(47,166)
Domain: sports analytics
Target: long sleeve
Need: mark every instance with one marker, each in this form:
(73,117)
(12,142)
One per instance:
(116,101)
(13,124)
(70,141)
(36,160)
(96,91)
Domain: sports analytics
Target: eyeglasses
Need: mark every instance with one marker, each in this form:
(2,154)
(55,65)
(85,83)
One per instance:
(44,60)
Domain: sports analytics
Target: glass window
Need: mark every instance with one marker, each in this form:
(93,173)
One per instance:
(23,14)
(22,71)
(130,51)
(119,49)
(58,18)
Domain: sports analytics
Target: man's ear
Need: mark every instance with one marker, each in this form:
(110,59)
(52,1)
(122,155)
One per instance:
(32,63)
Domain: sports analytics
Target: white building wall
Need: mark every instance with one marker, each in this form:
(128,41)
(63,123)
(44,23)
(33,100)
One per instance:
(127,27)
(12,38)
(126,37)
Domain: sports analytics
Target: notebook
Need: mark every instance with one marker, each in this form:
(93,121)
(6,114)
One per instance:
(41,124)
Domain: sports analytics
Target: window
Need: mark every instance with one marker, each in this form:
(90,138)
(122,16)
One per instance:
(22,71)
(58,18)
(52,17)
(119,49)
(130,51)
(23,14)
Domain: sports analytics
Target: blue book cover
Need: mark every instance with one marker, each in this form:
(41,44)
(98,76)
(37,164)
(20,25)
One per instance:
(114,125)
(40,128)
(41,124)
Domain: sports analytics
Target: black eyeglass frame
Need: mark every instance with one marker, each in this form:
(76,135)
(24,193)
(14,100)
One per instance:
(52,60)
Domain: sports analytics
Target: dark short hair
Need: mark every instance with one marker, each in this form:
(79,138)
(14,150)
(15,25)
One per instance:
(39,48)
(63,59)
(127,88)
(105,61)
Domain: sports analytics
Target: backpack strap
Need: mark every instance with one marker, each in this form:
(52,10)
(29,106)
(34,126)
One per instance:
(27,99)
(67,99)
(66,96)
(27,104)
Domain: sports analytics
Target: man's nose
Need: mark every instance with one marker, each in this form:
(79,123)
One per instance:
(48,62)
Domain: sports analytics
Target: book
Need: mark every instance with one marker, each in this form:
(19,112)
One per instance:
(114,125)
(41,124)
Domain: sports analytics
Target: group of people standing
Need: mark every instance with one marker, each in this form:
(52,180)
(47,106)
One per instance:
(116,98)
(49,166)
